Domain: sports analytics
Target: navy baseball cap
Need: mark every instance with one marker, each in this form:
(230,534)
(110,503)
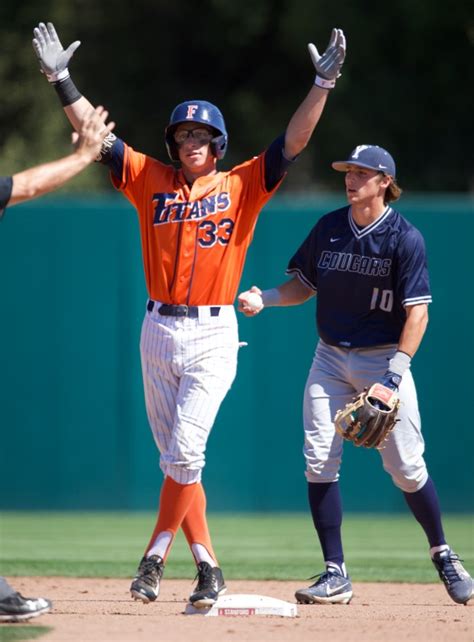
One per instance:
(369,156)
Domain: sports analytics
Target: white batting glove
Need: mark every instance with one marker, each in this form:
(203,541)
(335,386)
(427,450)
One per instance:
(53,58)
(328,66)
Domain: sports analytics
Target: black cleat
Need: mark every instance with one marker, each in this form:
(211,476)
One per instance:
(146,583)
(210,585)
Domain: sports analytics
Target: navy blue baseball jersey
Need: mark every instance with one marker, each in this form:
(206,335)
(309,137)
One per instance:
(6,184)
(363,277)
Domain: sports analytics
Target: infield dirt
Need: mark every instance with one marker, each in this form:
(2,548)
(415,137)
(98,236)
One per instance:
(101,610)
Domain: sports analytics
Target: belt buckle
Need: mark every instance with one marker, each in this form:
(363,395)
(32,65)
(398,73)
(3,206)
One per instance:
(184,309)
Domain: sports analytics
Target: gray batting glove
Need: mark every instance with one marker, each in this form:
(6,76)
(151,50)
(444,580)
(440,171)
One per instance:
(328,66)
(51,55)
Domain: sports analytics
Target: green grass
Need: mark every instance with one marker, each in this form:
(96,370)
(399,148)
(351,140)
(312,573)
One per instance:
(270,546)
(17,632)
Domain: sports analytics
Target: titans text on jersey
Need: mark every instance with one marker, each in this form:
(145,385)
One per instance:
(169,209)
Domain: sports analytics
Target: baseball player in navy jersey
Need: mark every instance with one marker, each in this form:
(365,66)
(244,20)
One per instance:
(367,266)
(196,224)
(21,187)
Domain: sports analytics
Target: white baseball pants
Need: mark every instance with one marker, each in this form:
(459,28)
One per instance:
(188,366)
(336,376)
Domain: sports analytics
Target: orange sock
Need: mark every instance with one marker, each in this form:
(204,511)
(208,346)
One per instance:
(194,524)
(175,501)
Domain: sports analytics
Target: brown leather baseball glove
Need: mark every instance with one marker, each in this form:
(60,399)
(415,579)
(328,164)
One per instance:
(369,419)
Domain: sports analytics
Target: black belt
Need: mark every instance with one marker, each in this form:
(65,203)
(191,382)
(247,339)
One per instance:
(192,311)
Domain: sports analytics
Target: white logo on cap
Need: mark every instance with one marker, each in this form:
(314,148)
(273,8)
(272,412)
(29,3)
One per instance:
(192,109)
(357,151)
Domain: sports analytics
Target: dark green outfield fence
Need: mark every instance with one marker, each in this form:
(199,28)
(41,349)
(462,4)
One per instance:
(73,427)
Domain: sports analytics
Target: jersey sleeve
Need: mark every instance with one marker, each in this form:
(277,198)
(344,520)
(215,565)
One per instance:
(250,180)
(276,163)
(413,285)
(303,262)
(113,158)
(6,186)
(127,170)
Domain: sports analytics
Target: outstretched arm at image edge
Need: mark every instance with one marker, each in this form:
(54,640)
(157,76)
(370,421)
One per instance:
(47,177)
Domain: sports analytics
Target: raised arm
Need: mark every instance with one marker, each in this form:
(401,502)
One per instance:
(328,68)
(49,176)
(54,60)
(292,292)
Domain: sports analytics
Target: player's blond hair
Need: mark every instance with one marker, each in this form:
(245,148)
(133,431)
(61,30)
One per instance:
(393,191)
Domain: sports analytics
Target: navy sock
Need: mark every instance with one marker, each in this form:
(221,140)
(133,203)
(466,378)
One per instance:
(424,505)
(326,510)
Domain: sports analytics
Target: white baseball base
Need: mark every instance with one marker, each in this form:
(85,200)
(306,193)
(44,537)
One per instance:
(243,604)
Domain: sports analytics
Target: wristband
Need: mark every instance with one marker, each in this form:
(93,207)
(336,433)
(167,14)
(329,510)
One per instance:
(57,76)
(399,363)
(324,82)
(271,297)
(67,91)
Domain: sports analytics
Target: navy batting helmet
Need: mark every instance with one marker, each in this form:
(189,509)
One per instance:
(197,111)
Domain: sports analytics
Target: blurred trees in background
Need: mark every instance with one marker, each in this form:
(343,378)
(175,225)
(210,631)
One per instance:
(406,84)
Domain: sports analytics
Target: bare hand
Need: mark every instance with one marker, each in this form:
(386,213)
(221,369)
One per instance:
(250,302)
(93,130)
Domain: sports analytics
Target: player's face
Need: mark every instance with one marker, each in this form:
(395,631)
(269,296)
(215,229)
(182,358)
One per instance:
(364,185)
(193,140)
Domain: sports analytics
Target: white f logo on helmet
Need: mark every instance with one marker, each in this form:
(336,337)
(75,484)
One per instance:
(192,109)
(358,150)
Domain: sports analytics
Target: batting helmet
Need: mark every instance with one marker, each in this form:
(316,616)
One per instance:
(197,111)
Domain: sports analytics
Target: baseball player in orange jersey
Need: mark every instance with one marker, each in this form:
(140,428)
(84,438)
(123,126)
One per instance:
(196,224)
(24,186)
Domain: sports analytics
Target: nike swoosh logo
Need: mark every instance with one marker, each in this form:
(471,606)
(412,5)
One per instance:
(339,588)
(333,240)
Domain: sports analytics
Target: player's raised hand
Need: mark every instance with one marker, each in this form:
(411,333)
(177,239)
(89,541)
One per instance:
(53,58)
(250,302)
(328,66)
(88,141)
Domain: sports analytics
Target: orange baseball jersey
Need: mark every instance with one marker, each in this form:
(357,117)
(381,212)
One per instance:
(194,239)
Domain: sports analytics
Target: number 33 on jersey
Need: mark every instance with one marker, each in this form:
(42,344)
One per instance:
(194,239)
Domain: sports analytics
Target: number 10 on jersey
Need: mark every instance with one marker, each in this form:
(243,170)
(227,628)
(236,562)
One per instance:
(382,299)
